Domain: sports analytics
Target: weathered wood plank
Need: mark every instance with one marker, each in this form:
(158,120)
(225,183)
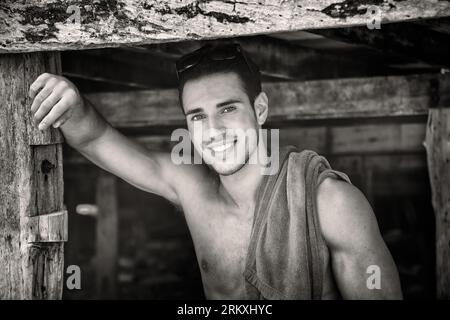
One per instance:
(45,262)
(29,271)
(405,137)
(35,67)
(50,227)
(47,179)
(437,144)
(396,162)
(107,235)
(37,25)
(324,99)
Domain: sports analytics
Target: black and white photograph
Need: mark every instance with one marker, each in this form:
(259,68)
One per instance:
(224,150)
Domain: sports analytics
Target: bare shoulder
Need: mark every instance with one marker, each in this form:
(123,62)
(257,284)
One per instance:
(345,215)
(185,179)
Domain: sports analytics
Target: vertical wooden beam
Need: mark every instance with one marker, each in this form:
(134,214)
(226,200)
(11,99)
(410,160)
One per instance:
(31,187)
(437,144)
(107,236)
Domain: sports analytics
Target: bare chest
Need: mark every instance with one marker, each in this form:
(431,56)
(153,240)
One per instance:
(221,237)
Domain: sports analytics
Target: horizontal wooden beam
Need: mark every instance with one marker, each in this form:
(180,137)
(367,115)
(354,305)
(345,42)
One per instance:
(79,24)
(343,141)
(407,39)
(373,138)
(290,101)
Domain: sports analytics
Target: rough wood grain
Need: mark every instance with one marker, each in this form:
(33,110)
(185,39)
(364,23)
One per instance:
(28,271)
(44,271)
(47,179)
(37,25)
(321,99)
(50,227)
(437,144)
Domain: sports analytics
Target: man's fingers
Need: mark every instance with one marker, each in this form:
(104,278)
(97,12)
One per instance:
(59,110)
(38,84)
(53,98)
(42,95)
(46,106)
(62,119)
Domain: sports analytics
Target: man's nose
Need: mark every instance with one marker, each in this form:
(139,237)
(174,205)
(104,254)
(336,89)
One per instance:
(213,131)
(214,124)
(212,135)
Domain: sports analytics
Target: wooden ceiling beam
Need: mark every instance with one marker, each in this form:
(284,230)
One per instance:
(279,59)
(37,25)
(414,40)
(291,101)
(153,66)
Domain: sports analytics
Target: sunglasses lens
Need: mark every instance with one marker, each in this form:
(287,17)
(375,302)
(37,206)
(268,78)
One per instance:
(217,54)
(191,59)
(187,62)
(224,53)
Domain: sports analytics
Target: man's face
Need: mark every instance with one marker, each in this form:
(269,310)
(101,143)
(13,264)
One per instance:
(221,121)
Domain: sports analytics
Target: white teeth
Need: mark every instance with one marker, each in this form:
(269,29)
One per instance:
(222,147)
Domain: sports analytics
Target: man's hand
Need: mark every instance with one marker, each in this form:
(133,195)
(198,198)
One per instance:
(55,101)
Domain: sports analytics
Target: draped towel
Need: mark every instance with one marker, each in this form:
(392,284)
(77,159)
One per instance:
(285,254)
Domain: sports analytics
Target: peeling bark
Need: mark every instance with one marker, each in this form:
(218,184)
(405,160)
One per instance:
(52,25)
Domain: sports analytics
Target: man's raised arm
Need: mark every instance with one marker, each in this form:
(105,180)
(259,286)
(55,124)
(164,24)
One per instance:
(58,103)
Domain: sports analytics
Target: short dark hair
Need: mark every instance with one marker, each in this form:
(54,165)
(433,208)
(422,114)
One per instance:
(247,71)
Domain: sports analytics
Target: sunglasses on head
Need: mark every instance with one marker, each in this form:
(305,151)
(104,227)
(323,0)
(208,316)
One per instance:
(217,53)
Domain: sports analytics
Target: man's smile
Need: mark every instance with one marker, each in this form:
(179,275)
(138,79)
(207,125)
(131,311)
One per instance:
(221,146)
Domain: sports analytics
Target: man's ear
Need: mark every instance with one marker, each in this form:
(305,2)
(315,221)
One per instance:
(261,106)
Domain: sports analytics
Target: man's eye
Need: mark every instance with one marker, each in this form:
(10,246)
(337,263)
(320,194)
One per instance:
(197,117)
(228,109)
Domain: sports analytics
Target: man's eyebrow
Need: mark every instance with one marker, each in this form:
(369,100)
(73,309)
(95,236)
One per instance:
(219,105)
(227,102)
(196,110)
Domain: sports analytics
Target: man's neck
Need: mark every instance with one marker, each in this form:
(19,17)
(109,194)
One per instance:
(241,187)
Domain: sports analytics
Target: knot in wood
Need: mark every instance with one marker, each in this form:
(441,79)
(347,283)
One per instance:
(46,166)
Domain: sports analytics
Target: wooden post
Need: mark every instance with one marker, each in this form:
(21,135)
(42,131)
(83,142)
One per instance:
(107,236)
(437,144)
(33,223)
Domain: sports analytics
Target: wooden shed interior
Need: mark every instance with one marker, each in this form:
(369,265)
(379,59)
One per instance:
(373,101)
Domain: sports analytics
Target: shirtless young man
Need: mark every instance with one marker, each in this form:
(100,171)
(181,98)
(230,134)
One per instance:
(219,199)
